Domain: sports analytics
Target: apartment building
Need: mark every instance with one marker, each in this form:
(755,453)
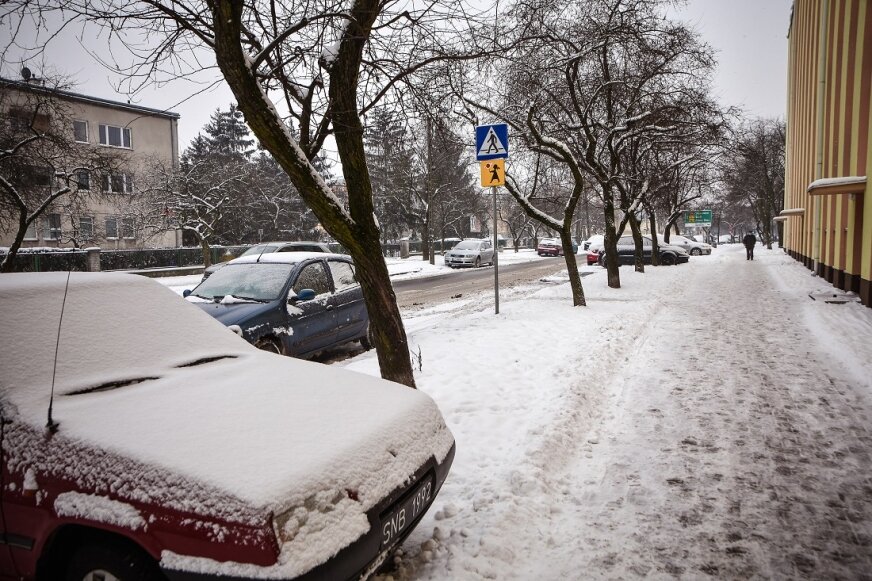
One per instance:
(108,210)
(827,221)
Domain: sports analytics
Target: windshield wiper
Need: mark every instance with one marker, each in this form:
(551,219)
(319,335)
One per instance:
(257,300)
(241,298)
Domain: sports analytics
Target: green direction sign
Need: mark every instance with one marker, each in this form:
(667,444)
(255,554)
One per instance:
(702,218)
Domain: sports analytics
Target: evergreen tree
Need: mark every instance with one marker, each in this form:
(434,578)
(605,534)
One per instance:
(228,134)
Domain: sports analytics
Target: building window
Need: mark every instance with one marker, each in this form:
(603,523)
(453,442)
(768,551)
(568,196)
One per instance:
(80,131)
(30,234)
(25,120)
(118,183)
(127,228)
(115,136)
(111,228)
(52,227)
(33,175)
(86,227)
(83,179)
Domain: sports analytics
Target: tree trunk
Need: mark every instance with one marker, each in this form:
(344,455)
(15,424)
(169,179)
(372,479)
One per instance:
(610,240)
(636,231)
(578,299)
(425,241)
(207,252)
(358,231)
(655,244)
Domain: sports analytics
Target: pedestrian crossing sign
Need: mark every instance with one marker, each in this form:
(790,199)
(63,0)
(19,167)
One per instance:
(493,173)
(491,142)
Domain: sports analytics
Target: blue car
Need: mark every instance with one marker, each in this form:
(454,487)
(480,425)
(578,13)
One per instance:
(292,303)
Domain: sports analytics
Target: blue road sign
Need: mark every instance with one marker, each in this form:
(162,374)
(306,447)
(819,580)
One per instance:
(491,142)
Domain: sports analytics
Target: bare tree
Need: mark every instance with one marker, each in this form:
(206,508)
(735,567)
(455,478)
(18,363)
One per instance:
(589,81)
(753,171)
(302,72)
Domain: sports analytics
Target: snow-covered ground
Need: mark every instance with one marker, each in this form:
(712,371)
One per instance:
(705,420)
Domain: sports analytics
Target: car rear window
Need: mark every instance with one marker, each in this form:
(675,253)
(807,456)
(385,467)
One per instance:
(259,249)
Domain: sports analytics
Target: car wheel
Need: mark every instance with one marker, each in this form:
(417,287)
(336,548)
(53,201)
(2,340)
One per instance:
(111,561)
(477,261)
(667,259)
(366,341)
(269,344)
(695,252)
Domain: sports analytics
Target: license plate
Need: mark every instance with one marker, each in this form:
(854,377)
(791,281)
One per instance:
(401,516)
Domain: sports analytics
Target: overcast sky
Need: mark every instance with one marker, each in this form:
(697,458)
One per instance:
(750,37)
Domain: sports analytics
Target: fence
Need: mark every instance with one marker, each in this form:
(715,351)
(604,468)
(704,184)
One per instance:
(94,259)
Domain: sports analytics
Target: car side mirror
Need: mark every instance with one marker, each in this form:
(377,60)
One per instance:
(186,292)
(306,294)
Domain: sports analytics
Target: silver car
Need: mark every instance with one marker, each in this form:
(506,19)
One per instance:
(470,253)
(691,246)
(267,247)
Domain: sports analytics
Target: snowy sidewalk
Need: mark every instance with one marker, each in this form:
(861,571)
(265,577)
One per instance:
(704,420)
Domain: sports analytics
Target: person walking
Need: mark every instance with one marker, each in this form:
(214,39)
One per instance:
(749,241)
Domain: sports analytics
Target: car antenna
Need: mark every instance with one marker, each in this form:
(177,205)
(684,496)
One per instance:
(52,425)
(262,250)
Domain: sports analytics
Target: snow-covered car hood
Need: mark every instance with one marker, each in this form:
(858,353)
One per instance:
(146,376)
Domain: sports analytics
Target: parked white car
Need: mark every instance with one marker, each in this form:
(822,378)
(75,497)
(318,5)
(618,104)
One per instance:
(691,246)
(470,253)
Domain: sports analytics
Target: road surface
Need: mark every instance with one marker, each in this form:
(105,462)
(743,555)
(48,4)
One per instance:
(421,292)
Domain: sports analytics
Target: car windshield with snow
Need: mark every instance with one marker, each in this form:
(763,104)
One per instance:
(294,303)
(169,448)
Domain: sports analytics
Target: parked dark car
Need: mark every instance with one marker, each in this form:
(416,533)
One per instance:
(269,247)
(627,252)
(553,247)
(292,303)
(174,448)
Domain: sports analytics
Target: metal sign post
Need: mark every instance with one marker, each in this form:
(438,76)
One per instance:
(491,150)
(496,259)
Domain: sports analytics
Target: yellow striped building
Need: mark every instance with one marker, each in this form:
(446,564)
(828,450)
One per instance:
(827,220)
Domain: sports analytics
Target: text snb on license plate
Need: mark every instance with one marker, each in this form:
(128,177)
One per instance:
(395,521)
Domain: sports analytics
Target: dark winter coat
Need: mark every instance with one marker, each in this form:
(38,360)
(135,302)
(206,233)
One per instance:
(749,240)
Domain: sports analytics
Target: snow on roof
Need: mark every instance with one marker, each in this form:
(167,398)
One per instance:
(283,257)
(837,181)
(846,181)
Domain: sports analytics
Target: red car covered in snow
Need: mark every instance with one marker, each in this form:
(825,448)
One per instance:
(141,439)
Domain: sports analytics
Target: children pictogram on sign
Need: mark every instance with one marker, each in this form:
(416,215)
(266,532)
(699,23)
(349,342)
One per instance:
(493,173)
